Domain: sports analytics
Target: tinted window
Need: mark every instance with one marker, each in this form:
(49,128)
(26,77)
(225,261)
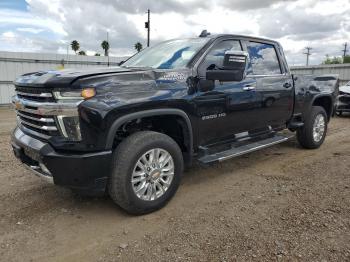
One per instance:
(216,54)
(263,59)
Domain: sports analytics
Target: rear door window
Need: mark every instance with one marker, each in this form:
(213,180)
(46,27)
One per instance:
(263,59)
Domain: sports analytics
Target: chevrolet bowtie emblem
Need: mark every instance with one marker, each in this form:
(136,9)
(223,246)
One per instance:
(18,105)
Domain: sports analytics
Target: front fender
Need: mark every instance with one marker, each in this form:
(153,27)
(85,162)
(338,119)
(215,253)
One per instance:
(147,113)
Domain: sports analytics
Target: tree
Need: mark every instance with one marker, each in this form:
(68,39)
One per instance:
(138,46)
(330,61)
(105,46)
(75,46)
(81,52)
(97,54)
(346,59)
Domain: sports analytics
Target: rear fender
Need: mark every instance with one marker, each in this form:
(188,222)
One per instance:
(324,100)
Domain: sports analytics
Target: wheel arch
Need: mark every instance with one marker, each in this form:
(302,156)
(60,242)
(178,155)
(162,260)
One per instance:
(326,102)
(151,113)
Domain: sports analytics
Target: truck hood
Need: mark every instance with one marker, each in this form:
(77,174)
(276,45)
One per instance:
(116,77)
(65,78)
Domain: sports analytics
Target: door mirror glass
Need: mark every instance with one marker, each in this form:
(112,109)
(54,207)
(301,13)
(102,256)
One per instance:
(234,60)
(233,68)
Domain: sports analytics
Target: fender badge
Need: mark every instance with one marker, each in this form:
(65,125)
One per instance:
(173,76)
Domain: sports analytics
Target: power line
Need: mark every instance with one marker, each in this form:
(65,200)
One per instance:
(345,50)
(307,53)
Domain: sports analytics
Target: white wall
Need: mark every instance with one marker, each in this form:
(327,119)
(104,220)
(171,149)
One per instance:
(13,64)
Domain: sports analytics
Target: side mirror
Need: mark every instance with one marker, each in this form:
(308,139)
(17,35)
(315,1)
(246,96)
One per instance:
(233,68)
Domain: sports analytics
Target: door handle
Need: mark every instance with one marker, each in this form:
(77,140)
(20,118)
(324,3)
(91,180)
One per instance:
(287,85)
(248,88)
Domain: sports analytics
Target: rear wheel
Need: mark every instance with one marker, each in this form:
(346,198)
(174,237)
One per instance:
(313,133)
(146,173)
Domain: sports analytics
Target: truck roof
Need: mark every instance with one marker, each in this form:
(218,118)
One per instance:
(241,36)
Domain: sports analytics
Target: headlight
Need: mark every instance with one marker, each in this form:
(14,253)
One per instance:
(341,93)
(70,127)
(85,93)
(68,95)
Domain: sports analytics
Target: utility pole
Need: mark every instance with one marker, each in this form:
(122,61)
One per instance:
(307,53)
(108,50)
(345,50)
(148,26)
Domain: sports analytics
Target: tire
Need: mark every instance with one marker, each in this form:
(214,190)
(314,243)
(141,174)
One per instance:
(125,158)
(305,135)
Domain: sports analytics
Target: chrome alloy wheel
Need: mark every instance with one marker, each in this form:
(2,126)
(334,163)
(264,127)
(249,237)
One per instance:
(319,128)
(152,174)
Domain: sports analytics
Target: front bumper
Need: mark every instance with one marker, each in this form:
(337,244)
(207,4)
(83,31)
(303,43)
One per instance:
(84,172)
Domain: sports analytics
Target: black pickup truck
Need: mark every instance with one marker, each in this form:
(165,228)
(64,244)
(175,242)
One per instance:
(131,130)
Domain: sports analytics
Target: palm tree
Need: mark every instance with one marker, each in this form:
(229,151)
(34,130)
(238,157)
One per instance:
(75,46)
(138,46)
(105,46)
(82,52)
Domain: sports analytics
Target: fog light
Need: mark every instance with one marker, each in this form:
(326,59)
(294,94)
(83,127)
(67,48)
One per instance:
(44,168)
(70,127)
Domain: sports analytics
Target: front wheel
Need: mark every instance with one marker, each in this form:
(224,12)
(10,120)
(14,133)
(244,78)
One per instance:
(147,168)
(313,133)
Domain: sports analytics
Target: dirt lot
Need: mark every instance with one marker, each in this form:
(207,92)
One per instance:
(283,203)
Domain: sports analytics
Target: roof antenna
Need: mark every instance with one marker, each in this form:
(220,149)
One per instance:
(204,33)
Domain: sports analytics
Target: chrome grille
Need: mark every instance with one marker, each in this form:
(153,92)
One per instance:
(38,111)
(344,98)
(29,115)
(45,125)
(34,94)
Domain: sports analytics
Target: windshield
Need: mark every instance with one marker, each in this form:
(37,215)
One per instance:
(171,54)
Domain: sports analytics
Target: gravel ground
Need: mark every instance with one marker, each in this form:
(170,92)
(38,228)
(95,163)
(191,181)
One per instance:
(283,203)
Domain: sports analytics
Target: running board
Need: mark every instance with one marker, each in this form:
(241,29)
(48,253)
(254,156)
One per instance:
(244,149)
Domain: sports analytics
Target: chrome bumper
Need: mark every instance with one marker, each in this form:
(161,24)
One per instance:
(25,148)
(38,171)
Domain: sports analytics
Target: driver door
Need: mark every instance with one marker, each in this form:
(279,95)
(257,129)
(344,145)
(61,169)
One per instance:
(223,109)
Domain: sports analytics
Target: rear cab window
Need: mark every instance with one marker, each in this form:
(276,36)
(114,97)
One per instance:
(263,59)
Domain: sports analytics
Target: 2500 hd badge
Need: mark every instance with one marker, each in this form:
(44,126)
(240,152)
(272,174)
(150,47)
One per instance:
(213,116)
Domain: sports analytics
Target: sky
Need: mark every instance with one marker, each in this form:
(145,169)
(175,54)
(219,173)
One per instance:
(49,26)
